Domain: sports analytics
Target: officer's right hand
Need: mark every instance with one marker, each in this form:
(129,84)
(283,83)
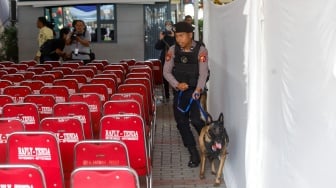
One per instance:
(182,86)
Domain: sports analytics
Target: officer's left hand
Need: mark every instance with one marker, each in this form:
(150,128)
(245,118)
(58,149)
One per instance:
(196,95)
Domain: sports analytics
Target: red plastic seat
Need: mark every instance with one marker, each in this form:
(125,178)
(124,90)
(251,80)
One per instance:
(28,75)
(81,78)
(68,131)
(5,99)
(120,75)
(101,153)
(30,176)
(157,71)
(87,72)
(58,74)
(39,148)
(17,92)
(95,106)
(99,66)
(14,78)
(93,177)
(113,76)
(130,62)
(48,79)
(2,72)
(76,61)
(53,63)
(47,67)
(10,70)
(7,126)
(30,63)
(36,70)
(27,113)
(79,110)
(131,130)
(71,84)
(20,67)
(115,67)
(65,70)
(103,61)
(3,84)
(61,93)
(34,85)
(91,67)
(108,82)
(100,89)
(44,102)
(6,63)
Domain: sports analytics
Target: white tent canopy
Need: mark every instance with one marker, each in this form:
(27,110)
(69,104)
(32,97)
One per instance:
(273,75)
(4,12)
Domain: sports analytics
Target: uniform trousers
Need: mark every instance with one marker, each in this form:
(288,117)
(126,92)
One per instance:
(183,119)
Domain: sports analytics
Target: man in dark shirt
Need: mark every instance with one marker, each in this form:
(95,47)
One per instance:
(52,49)
(165,41)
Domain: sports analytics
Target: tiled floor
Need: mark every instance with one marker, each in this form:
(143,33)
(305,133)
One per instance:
(170,157)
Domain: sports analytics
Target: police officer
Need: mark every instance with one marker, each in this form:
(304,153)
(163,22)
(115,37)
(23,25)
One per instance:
(186,69)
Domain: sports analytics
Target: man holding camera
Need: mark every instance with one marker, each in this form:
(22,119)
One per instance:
(166,40)
(79,41)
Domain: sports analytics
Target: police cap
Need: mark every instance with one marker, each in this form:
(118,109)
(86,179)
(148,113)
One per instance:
(183,27)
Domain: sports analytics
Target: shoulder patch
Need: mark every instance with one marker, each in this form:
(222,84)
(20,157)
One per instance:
(168,56)
(203,58)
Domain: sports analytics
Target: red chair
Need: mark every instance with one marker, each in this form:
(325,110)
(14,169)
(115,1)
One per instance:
(47,67)
(87,72)
(99,66)
(115,67)
(138,75)
(10,70)
(48,79)
(120,75)
(130,129)
(65,70)
(130,62)
(79,110)
(95,107)
(14,78)
(70,63)
(30,176)
(68,131)
(5,99)
(7,126)
(3,84)
(2,72)
(125,65)
(71,84)
(61,93)
(20,67)
(44,102)
(28,75)
(36,70)
(146,82)
(148,63)
(30,63)
(93,177)
(157,71)
(111,75)
(17,92)
(101,153)
(34,85)
(6,63)
(53,63)
(127,106)
(100,89)
(108,82)
(27,113)
(58,74)
(39,148)
(81,78)
(142,90)
(91,67)
(104,61)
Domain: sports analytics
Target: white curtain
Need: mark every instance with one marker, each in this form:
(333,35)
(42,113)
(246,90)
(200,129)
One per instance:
(273,75)
(4,12)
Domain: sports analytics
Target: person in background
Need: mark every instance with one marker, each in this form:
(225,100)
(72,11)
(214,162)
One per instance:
(79,40)
(186,69)
(188,19)
(52,50)
(45,33)
(166,40)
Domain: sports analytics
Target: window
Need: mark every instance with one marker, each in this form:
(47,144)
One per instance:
(99,19)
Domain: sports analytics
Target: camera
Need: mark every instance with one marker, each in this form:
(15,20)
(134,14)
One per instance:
(75,35)
(166,32)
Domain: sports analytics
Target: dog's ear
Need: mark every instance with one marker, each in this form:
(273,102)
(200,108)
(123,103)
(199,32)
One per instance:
(209,118)
(221,117)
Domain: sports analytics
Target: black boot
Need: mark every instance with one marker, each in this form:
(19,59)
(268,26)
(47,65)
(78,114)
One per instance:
(194,157)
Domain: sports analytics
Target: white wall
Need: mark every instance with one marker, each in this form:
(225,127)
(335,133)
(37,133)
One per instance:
(130,34)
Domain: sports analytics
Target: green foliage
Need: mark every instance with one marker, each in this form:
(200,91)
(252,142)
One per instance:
(9,44)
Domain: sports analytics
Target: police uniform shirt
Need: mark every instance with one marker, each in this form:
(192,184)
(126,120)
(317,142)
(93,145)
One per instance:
(202,62)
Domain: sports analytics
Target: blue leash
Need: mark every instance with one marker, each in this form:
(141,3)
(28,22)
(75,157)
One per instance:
(204,113)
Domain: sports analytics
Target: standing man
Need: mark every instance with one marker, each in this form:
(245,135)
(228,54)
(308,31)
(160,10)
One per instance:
(186,69)
(45,33)
(188,19)
(166,40)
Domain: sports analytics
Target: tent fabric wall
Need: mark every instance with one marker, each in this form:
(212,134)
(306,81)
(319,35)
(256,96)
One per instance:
(273,75)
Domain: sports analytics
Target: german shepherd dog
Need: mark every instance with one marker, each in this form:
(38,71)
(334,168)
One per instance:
(213,141)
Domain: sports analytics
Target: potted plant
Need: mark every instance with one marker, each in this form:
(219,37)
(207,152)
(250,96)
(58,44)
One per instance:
(9,44)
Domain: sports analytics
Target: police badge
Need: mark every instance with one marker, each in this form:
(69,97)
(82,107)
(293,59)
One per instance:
(184,59)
